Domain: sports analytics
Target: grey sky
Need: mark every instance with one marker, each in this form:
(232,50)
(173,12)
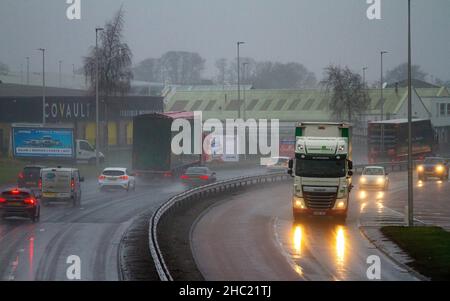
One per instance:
(313,32)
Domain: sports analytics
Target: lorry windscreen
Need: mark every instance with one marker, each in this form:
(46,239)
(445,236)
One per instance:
(331,168)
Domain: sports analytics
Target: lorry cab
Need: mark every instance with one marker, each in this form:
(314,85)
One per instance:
(61,184)
(85,152)
(322,170)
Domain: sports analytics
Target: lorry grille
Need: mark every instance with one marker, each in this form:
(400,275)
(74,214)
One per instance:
(320,200)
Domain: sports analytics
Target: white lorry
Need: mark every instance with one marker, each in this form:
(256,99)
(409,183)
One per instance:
(322,170)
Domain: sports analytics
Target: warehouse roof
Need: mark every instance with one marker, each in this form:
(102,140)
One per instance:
(287,105)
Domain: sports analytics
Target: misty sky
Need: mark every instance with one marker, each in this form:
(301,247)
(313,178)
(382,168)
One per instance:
(312,32)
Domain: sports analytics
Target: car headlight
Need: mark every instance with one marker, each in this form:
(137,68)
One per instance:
(420,168)
(363,180)
(439,168)
(380,180)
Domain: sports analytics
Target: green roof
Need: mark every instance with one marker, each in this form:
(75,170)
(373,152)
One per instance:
(286,105)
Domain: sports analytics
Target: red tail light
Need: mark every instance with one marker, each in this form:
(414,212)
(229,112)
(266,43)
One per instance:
(2,200)
(72,183)
(40,183)
(204,177)
(102,177)
(124,177)
(167,174)
(184,177)
(30,201)
(15,191)
(21,176)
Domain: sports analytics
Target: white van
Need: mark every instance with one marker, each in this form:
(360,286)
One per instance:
(61,184)
(85,152)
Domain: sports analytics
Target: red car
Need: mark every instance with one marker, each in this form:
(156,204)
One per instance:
(20,202)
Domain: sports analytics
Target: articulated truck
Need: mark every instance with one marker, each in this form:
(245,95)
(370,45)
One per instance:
(322,170)
(152,138)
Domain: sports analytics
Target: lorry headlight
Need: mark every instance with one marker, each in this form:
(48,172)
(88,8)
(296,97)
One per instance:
(341,205)
(299,203)
(420,168)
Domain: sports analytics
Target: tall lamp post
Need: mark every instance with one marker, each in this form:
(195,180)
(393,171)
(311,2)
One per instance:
(364,76)
(381,86)
(28,70)
(239,79)
(97,130)
(244,65)
(43,84)
(410,162)
(60,79)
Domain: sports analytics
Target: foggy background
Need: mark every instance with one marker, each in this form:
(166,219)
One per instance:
(312,32)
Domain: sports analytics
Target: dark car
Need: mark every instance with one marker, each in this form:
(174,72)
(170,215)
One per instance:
(29,177)
(19,202)
(433,167)
(197,176)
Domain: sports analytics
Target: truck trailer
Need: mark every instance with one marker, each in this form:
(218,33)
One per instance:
(152,138)
(388,140)
(322,170)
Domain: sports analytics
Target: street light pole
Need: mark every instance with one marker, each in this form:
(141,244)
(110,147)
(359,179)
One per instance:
(238,79)
(60,80)
(97,130)
(381,86)
(410,161)
(244,80)
(28,70)
(43,84)
(364,76)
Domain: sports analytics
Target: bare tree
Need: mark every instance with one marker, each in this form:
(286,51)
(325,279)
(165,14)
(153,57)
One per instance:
(148,70)
(400,73)
(275,75)
(114,57)
(182,67)
(348,94)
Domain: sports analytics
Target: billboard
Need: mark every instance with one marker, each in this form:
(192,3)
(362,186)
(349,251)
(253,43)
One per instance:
(33,142)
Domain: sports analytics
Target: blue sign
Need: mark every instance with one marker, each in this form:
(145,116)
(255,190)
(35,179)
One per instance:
(43,143)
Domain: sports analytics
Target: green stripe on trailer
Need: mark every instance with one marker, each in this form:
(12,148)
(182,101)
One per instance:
(298,132)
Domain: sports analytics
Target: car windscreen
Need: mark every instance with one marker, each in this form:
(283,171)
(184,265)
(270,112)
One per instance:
(114,173)
(330,168)
(197,170)
(373,172)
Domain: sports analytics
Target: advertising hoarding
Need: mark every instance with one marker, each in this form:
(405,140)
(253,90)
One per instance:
(33,142)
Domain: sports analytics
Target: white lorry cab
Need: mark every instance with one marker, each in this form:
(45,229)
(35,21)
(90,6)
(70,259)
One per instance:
(322,170)
(61,185)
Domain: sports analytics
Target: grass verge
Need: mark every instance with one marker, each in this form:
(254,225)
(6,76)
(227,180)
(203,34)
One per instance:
(429,247)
